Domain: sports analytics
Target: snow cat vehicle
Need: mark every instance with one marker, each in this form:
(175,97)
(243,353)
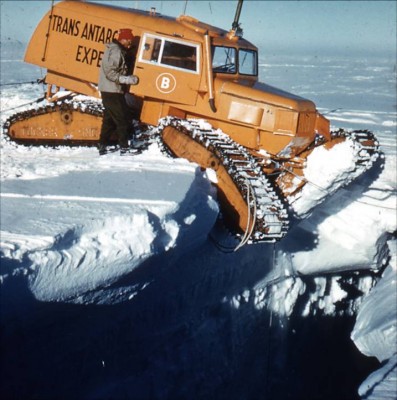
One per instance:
(198,85)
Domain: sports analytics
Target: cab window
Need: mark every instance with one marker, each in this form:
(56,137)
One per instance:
(170,53)
(247,62)
(224,59)
(228,60)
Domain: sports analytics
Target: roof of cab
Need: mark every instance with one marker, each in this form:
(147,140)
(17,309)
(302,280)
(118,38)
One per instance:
(183,26)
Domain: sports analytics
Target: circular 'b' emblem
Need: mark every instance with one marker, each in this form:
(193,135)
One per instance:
(165,83)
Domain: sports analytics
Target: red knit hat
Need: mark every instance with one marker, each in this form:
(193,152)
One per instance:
(125,34)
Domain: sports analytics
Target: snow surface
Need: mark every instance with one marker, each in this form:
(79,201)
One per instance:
(81,229)
(79,212)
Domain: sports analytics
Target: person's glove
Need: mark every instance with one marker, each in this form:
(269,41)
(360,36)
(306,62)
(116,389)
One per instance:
(129,80)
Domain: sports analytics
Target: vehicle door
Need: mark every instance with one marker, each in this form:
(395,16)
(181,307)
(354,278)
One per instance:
(168,69)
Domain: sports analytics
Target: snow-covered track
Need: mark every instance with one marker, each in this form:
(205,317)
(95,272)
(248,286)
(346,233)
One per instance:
(54,123)
(366,146)
(266,217)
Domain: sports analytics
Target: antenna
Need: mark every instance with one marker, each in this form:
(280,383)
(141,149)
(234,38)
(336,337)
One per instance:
(48,31)
(184,10)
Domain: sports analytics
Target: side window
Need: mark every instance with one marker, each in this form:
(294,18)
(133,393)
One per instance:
(151,49)
(170,53)
(179,55)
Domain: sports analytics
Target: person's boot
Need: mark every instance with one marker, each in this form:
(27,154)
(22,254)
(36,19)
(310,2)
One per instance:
(102,149)
(128,151)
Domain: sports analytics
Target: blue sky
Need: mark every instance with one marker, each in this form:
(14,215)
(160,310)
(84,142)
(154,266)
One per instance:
(308,26)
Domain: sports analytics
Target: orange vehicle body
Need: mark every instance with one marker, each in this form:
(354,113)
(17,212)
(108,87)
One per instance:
(69,43)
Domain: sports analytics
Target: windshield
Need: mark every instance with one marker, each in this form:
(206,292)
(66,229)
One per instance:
(227,60)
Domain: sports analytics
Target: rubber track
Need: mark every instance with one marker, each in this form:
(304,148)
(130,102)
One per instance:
(85,107)
(267,208)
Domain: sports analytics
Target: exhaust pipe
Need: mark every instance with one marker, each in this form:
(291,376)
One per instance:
(236,24)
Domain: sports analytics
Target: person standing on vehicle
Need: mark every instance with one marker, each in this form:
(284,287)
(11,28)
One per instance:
(114,81)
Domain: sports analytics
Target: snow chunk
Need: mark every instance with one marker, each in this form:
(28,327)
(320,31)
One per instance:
(381,384)
(325,171)
(375,332)
(190,219)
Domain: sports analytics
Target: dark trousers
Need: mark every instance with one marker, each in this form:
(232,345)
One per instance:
(116,119)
